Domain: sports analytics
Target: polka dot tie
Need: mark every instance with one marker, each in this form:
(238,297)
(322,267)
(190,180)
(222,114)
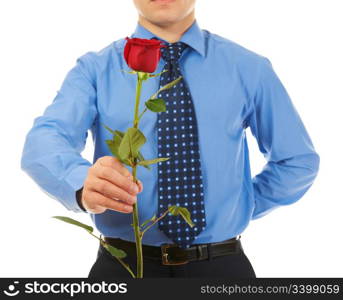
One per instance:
(179,178)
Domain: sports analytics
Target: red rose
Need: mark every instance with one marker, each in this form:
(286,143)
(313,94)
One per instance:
(143,54)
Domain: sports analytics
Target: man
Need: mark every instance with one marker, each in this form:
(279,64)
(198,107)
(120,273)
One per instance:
(225,89)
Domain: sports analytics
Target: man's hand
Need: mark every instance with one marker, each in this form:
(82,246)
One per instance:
(109,185)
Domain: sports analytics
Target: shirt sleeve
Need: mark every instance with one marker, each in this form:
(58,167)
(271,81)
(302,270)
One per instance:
(52,150)
(292,162)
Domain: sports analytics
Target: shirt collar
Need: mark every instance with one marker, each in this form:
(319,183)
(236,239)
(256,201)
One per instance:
(193,36)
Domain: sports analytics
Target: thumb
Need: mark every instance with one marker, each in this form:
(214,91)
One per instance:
(140,186)
(140,183)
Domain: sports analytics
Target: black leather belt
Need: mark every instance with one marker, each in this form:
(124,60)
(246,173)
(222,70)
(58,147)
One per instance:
(171,254)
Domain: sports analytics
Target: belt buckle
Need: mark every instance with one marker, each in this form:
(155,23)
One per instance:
(166,257)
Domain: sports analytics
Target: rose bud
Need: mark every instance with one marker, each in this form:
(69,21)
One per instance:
(142,54)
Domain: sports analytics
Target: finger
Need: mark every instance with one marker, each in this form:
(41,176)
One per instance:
(117,179)
(111,190)
(96,209)
(112,204)
(113,162)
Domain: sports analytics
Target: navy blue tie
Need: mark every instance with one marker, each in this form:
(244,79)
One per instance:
(179,178)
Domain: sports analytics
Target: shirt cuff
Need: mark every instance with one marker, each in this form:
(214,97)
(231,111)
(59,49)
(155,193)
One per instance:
(79,198)
(74,182)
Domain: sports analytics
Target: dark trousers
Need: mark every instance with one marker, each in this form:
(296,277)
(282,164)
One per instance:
(229,266)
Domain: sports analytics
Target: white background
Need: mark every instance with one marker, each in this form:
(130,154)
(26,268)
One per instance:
(40,41)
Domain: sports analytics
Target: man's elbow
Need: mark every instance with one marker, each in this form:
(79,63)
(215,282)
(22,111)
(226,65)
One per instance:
(24,159)
(30,152)
(311,164)
(26,165)
(315,163)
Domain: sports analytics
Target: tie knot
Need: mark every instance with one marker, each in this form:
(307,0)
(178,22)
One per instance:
(173,51)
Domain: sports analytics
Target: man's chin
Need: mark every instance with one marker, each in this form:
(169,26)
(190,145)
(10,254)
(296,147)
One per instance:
(162,21)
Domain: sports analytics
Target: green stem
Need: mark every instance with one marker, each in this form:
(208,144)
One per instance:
(136,226)
(154,222)
(121,262)
(138,94)
(145,109)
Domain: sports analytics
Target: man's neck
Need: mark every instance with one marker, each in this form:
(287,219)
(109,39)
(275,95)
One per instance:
(169,32)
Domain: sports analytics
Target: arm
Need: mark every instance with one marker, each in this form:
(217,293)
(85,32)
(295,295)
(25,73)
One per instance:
(51,154)
(292,162)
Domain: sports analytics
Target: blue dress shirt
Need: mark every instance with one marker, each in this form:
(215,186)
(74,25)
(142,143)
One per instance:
(232,88)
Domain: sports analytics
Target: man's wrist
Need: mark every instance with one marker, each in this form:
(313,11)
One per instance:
(78,199)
